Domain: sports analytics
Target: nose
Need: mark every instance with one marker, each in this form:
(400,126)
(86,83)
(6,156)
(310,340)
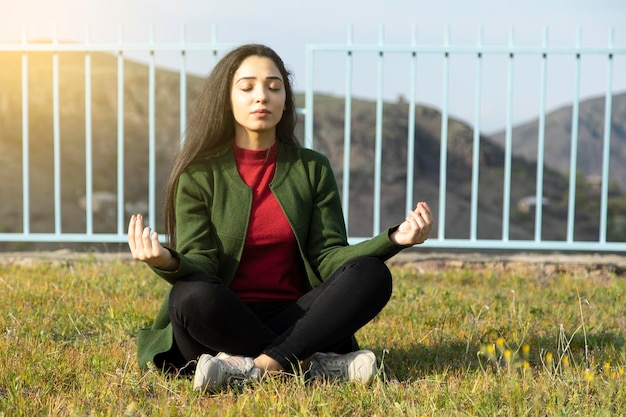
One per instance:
(260,94)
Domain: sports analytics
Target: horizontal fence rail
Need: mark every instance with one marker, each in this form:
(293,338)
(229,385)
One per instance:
(120,49)
(479,51)
(344,55)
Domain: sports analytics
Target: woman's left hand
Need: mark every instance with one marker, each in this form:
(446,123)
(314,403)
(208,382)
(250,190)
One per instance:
(416,228)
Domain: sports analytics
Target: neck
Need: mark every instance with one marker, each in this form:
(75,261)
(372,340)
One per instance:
(255,140)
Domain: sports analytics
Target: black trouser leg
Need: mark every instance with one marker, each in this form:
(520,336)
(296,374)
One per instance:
(208,318)
(334,311)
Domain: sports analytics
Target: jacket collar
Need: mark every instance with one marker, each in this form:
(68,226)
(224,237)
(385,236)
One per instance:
(285,157)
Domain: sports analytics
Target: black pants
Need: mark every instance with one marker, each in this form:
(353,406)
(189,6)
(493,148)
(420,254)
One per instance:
(207,317)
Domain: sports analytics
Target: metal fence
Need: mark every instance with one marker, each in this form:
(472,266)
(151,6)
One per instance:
(344,55)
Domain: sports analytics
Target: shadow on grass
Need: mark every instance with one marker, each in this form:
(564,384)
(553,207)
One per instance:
(418,362)
(421,361)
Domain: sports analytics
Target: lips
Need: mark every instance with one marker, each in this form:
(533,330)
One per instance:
(261,112)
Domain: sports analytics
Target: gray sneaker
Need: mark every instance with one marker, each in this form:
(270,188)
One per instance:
(214,372)
(354,366)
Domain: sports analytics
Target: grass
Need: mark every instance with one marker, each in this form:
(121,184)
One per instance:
(497,340)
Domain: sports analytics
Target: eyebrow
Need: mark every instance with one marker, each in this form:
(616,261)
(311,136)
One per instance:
(270,78)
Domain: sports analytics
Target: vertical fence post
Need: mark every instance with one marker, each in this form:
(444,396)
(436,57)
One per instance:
(441,220)
(347,134)
(506,197)
(88,142)
(56,127)
(378,152)
(571,211)
(476,142)
(25,142)
(410,145)
(120,133)
(541,139)
(151,132)
(608,100)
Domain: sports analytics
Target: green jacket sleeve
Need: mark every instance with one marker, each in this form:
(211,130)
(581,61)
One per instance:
(197,247)
(327,246)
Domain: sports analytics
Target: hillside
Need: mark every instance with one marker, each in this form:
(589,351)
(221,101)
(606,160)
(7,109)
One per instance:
(72,131)
(558,134)
(328,139)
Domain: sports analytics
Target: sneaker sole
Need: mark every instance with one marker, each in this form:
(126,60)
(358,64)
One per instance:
(363,367)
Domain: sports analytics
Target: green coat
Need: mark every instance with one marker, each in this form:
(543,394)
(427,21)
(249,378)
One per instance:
(213,208)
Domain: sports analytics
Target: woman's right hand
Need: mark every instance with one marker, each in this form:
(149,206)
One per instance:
(416,228)
(145,246)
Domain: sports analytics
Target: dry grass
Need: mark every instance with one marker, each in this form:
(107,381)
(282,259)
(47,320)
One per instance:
(486,341)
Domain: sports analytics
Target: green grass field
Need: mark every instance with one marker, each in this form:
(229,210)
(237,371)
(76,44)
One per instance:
(490,340)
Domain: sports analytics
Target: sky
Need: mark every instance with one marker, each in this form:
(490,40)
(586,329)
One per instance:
(288,26)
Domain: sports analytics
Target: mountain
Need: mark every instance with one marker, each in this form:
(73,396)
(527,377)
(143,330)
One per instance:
(558,133)
(72,132)
(328,139)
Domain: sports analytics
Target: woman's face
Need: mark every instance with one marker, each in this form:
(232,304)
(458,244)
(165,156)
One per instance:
(257,95)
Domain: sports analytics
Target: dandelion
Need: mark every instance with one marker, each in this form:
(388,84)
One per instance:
(491,350)
(526,350)
(621,371)
(589,375)
(500,343)
(549,359)
(526,365)
(508,355)
(607,366)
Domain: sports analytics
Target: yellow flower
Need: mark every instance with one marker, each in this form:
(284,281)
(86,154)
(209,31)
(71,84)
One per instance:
(526,350)
(500,343)
(589,375)
(507,355)
(491,350)
(549,361)
(526,365)
(607,366)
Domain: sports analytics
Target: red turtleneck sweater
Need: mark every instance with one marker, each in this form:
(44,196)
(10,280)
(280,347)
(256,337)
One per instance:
(269,268)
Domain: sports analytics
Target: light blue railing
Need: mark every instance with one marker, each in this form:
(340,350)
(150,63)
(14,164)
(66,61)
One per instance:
(121,49)
(479,51)
(348,50)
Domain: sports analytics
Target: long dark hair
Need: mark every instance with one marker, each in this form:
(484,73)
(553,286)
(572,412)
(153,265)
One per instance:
(211,125)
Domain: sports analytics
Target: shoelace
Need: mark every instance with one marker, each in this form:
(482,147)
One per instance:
(331,368)
(238,371)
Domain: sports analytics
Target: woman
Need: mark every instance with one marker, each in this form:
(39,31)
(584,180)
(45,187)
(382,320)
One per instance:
(263,279)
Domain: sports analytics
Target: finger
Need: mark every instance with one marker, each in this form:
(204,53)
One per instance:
(424,205)
(424,209)
(131,233)
(411,222)
(422,226)
(417,220)
(145,239)
(139,242)
(425,214)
